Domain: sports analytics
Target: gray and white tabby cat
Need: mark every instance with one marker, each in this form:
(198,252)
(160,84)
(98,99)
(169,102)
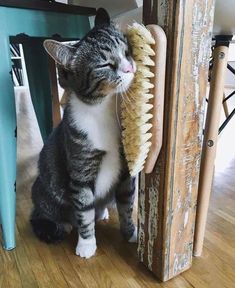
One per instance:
(81,166)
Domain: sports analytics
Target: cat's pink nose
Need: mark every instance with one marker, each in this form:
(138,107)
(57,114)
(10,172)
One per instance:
(128,68)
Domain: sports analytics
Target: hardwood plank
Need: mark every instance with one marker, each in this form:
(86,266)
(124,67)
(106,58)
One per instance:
(227,217)
(133,283)
(43,265)
(10,277)
(224,203)
(123,254)
(9,274)
(116,277)
(52,268)
(222,249)
(177,282)
(80,266)
(65,266)
(24,267)
(212,270)
(219,225)
(102,278)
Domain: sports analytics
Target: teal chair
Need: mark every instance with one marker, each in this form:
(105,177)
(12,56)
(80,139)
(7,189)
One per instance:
(34,18)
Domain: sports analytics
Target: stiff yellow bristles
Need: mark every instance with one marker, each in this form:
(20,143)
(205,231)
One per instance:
(136,110)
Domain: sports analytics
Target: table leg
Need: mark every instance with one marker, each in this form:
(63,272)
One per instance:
(7,147)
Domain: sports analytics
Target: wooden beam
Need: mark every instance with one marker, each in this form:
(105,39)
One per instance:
(168,196)
(49,6)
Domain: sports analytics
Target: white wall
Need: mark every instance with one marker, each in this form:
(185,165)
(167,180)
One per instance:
(114,7)
(231,56)
(230,77)
(129,17)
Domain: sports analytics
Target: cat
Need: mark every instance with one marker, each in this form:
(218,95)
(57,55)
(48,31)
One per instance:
(82,166)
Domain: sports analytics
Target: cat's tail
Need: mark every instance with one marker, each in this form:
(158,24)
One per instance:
(47,230)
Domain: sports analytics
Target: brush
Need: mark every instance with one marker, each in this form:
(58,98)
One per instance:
(142,108)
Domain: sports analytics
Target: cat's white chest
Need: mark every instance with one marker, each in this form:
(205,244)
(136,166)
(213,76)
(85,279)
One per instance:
(100,124)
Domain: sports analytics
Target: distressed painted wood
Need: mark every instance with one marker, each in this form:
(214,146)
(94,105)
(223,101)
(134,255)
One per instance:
(168,196)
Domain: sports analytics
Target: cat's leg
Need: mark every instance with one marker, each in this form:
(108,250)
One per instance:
(84,212)
(47,214)
(125,196)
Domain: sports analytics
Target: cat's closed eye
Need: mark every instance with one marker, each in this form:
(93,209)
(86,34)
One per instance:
(111,65)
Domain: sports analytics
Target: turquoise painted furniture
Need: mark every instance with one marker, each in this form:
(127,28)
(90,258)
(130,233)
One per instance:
(38,19)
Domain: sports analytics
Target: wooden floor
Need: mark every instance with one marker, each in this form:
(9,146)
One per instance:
(34,264)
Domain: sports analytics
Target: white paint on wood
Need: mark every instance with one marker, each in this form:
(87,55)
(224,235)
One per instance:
(141,218)
(186,217)
(181,261)
(152,223)
(162,12)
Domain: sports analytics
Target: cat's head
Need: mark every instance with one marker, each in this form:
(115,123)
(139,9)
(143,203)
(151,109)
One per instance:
(100,64)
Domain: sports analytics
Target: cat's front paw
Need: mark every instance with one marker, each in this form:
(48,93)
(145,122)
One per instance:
(86,247)
(134,236)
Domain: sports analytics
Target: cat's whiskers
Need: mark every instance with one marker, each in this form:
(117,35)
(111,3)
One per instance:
(128,95)
(117,115)
(126,98)
(131,94)
(124,102)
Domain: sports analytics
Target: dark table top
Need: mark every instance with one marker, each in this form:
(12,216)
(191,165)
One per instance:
(49,6)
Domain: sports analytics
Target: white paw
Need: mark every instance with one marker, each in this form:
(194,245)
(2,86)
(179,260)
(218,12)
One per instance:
(86,247)
(134,236)
(103,215)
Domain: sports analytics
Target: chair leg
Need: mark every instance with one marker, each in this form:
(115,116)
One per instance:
(7,148)
(41,98)
(209,144)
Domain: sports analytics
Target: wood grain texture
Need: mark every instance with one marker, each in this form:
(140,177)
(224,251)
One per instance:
(220,55)
(168,196)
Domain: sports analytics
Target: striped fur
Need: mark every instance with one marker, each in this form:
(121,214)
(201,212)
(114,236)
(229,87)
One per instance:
(81,166)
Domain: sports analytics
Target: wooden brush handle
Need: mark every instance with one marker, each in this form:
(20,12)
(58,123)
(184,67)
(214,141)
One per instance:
(158,91)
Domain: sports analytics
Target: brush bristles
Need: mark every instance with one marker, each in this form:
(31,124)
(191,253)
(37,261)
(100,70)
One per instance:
(136,110)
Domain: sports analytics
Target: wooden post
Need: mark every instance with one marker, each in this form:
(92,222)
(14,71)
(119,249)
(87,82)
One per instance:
(168,196)
(220,55)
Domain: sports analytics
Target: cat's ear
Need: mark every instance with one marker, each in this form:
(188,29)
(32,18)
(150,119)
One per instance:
(102,17)
(61,53)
